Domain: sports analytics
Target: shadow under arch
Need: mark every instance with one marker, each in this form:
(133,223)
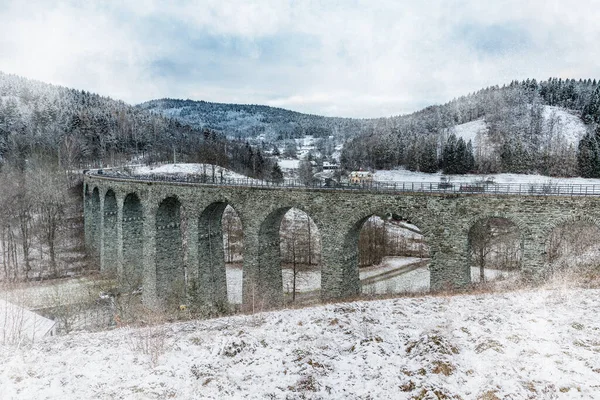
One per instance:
(133,242)
(268,285)
(495,247)
(170,272)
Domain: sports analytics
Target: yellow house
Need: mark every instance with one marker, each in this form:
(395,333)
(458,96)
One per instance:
(360,177)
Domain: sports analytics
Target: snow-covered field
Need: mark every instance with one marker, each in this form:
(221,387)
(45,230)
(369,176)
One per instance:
(528,344)
(564,123)
(396,175)
(402,175)
(187,169)
(286,164)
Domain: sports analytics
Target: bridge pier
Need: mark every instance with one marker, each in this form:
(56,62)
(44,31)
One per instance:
(170,274)
(109,226)
(94,226)
(149,293)
(212,280)
(339,262)
(252,295)
(132,242)
(534,263)
(449,252)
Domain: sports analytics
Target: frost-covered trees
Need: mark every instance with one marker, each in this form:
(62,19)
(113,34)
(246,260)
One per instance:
(35,204)
(588,155)
(77,129)
(517,140)
(591,111)
(305,172)
(457,157)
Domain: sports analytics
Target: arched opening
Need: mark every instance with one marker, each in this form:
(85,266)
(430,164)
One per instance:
(392,256)
(109,262)
(289,259)
(133,242)
(170,273)
(219,256)
(300,249)
(95,224)
(495,250)
(572,250)
(233,246)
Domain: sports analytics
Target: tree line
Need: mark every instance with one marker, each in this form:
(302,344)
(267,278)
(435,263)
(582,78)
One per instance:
(78,129)
(522,134)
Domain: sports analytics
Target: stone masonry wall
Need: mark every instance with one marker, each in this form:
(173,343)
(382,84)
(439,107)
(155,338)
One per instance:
(444,219)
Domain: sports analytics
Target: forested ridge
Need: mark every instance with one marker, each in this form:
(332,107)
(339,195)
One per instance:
(523,135)
(77,129)
(251,120)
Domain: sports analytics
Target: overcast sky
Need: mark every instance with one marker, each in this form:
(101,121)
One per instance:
(341,58)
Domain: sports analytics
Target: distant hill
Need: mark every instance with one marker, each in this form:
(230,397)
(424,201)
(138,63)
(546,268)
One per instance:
(526,126)
(253,121)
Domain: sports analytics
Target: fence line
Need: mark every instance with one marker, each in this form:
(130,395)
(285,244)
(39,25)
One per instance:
(531,189)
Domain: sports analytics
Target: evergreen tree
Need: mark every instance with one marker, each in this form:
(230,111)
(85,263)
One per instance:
(428,160)
(276,174)
(469,158)
(591,111)
(588,156)
(450,155)
(461,157)
(276,151)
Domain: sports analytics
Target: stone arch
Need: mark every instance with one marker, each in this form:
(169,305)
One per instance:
(518,222)
(133,241)
(523,230)
(269,279)
(350,270)
(110,232)
(170,273)
(581,219)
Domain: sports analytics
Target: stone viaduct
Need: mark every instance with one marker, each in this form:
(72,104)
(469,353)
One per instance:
(133,227)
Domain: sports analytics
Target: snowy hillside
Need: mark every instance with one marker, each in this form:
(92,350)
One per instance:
(529,344)
(557,122)
(563,123)
(188,169)
(470,131)
(402,175)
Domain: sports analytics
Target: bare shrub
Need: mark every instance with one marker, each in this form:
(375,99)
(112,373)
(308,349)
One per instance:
(151,342)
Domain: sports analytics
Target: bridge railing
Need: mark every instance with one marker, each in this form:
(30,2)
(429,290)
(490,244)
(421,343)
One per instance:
(532,189)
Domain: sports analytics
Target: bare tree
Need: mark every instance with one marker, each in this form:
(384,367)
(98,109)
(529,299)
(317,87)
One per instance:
(494,242)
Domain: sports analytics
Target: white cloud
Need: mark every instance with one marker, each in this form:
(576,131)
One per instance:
(354,58)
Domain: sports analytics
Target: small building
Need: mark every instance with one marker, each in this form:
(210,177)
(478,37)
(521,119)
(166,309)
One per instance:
(17,324)
(360,177)
(330,166)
